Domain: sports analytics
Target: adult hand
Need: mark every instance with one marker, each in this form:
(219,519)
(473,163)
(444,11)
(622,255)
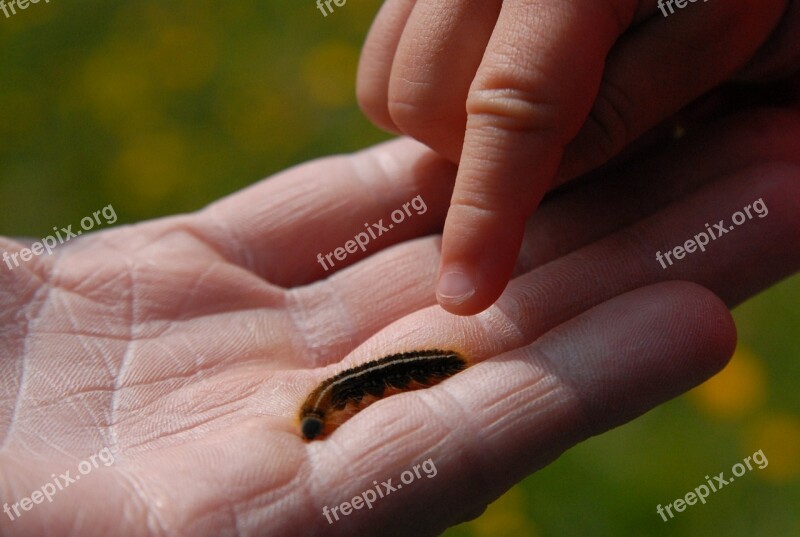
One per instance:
(522,93)
(186,345)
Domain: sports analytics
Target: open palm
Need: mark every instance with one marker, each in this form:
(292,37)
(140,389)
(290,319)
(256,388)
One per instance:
(185,346)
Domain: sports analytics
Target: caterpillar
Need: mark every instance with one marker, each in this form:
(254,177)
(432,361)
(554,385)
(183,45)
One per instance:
(339,397)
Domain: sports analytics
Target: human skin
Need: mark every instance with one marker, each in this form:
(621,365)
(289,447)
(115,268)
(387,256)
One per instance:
(525,94)
(186,345)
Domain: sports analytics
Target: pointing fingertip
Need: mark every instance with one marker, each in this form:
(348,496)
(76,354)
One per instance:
(455,287)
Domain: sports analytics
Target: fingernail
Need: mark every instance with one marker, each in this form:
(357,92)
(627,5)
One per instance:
(455,288)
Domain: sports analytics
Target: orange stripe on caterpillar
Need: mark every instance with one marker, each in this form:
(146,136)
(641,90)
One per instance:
(336,399)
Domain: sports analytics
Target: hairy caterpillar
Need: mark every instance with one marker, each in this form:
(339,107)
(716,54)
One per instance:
(339,397)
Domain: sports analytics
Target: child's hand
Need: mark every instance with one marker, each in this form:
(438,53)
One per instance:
(535,82)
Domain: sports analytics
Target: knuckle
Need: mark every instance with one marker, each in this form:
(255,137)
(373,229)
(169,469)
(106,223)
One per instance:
(493,199)
(512,109)
(610,120)
(404,113)
(415,115)
(475,207)
(417,104)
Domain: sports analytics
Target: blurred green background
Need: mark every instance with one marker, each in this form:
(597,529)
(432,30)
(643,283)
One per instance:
(163,107)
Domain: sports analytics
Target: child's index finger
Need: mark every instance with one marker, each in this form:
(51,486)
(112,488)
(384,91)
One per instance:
(533,91)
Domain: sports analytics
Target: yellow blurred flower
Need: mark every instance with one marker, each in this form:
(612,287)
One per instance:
(737,390)
(184,57)
(329,71)
(151,167)
(118,86)
(778,436)
(262,120)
